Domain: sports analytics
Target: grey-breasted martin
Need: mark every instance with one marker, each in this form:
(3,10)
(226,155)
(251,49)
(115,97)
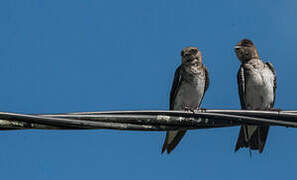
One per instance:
(256,86)
(189,86)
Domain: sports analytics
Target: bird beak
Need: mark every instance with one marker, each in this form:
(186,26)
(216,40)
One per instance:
(237,47)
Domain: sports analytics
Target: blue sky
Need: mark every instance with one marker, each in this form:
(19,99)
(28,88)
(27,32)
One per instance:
(73,55)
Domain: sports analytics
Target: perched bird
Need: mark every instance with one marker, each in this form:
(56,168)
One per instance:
(189,86)
(256,86)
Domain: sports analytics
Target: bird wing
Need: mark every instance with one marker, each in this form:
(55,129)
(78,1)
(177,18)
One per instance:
(270,66)
(206,82)
(173,137)
(241,81)
(175,86)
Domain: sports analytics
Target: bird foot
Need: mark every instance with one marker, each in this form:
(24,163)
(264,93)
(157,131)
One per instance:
(201,109)
(274,109)
(189,109)
(194,110)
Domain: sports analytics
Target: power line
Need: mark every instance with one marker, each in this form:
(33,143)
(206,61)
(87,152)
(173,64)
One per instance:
(147,120)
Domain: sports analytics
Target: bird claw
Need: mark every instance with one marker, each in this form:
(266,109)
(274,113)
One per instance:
(274,109)
(189,109)
(194,110)
(201,109)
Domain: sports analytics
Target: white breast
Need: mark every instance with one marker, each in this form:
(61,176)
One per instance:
(259,88)
(190,94)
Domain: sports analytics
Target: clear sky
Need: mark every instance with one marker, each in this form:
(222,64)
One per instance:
(93,55)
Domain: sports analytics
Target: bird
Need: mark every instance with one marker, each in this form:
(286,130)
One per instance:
(191,81)
(256,82)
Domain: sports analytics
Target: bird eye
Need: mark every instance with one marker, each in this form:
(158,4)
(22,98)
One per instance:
(194,51)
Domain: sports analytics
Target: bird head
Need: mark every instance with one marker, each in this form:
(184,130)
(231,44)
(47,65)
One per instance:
(191,56)
(246,50)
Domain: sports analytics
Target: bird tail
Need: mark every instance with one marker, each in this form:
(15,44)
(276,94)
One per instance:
(253,137)
(172,139)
